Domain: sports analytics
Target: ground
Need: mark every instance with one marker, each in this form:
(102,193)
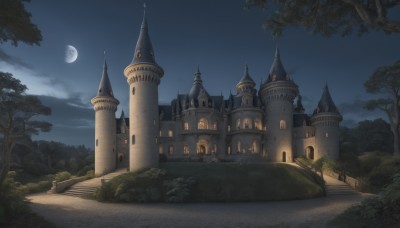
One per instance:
(67,211)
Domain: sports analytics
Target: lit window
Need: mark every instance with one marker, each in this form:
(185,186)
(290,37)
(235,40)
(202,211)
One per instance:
(170,149)
(126,141)
(238,146)
(238,124)
(170,133)
(229,128)
(186,126)
(203,124)
(254,147)
(326,135)
(160,133)
(185,149)
(160,149)
(215,126)
(229,149)
(282,124)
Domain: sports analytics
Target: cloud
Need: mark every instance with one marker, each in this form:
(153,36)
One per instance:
(353,112)
(37,83)
(72,119)
(13,61)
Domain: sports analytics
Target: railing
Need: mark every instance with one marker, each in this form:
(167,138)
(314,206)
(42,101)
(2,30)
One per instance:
(61,186)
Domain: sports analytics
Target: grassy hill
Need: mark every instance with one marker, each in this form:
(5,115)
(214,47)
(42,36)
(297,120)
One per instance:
(216,182)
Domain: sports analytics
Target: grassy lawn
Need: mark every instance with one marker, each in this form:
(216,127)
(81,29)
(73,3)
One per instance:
(246,182)
(216,182)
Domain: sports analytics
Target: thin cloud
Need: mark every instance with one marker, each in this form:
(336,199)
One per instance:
(13,61)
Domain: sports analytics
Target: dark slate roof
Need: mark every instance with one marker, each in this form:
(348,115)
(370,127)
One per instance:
(246,79)
(197,86)
(165,112)
(119,122)
(326,104)
(105,89)
(300,119)
(277,71)
(144,50)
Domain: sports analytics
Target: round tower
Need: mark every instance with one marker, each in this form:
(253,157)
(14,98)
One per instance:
(326,119)
(105,106)
(143,76)
(277,94)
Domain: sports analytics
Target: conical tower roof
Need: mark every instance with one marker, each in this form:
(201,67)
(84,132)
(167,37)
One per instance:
(105,89)
(197,86)
(326,103)
(144,50)
(277,71)
(246,79)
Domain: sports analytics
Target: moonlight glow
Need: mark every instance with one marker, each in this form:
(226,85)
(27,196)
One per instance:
(71,54)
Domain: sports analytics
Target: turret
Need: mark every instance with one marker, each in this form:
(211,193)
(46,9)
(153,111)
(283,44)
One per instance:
(326,119)
(246,83)
(105,106)
(143,75)
(277,93)
(198,92)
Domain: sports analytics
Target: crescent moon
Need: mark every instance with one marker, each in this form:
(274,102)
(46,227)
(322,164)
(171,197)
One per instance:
(71,54)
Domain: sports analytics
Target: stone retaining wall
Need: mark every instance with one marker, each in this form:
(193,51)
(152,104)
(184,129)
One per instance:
(61,186)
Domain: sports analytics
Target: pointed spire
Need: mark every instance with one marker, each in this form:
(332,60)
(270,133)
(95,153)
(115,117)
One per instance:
(105,89)
(144,50)
(122,115)
(326,103)
(197,77)
(277,71)
(299,107)
(246,77)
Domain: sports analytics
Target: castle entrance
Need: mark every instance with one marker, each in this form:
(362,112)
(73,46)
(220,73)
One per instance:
(310,152)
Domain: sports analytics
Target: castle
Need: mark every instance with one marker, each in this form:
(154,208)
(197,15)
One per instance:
(247,126)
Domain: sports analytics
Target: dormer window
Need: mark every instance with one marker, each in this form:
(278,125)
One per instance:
(138,54)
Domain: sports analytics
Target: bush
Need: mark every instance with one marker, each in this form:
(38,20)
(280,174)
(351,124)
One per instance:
(62,176)
(90,174)
(178,190)
(12,200)
(379,211)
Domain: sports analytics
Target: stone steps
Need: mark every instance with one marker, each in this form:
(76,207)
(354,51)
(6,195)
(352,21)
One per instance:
(89,187)
(342,189)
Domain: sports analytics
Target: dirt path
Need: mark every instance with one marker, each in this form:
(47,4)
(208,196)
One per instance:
(67,211)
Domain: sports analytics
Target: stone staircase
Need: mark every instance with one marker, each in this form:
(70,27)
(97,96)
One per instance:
(89,187)
(335,187)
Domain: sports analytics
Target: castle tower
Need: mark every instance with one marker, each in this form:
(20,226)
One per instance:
(277,94)
(143,76)
(326,119)
(105,106)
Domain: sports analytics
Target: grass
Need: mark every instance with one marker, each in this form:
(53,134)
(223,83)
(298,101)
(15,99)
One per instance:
(246,182)
(216,182)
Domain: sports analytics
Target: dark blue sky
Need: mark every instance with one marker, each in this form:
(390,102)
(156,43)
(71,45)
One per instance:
(219,36)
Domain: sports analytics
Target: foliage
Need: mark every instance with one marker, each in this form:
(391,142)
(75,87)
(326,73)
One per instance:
(12,201)
(380,211)
(178,190)
(216,182)
(386,81)
(17,123)
(329,17)
(62,176)
(16,25)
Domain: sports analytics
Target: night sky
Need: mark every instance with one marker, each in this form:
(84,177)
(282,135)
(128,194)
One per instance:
(219,36)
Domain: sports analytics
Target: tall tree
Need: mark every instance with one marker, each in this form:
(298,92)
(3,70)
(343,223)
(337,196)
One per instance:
(328,17)
(17,112)
(16,25)
(386,81)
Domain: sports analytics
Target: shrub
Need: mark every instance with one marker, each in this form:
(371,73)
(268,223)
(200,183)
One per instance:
(90,174)
(379,211)
(62,176)
(178,190)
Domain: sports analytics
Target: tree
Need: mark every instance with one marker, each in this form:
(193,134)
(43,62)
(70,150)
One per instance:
(330,16)
(386,81)
(17,122)
(16,25)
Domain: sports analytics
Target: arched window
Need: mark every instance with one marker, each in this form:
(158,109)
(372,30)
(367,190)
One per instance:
(186,126)
(257,124)
(160,149)
(229,128)
(160,133)
(202,124)
(229,149)
(170,149)
(186,149)
(238,147)
(170,133)
(238,123)
(254,147)
(282,124)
